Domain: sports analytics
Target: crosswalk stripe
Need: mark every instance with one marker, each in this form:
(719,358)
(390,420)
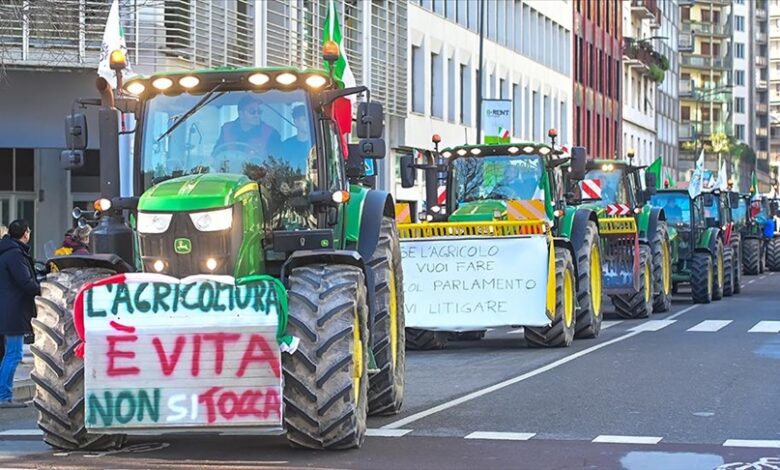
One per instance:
(501,436)
(21,432)
(766,327)
(610,323)
(710,325)
(652,325)
(606,439)
(751,443)
(378,432)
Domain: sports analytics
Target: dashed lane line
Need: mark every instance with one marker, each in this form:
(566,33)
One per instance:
(501,436)
(685,310)
(607,439)
(610,323)
(751,281)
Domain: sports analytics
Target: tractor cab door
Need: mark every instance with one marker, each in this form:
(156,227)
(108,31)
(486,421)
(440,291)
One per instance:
(334,179)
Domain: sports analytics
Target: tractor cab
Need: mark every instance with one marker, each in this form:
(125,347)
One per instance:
(684,214)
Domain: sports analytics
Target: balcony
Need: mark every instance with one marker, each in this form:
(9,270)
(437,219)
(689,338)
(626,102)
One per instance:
(705,62)
(762,108)
(762,132)
(685,42)
(761,61)
(686,3)
(760,13)
(646,9)
(692,130)
(761,84)
(641,54)
(762,155)
(687,88)
(714,29)
(761,38)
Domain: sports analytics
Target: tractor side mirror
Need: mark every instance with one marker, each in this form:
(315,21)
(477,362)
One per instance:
(71,159)
(707,199)
(408,172)
(733,199)
(76,131)
(372,148)
(370,120)
(651,179)
(577,164)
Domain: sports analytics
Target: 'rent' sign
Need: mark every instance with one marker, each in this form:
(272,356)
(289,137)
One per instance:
(164,353)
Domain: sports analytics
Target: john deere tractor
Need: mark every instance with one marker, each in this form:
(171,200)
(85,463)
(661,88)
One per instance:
(635,239)
(721,213)
(698,253)
(507,247)
(242,283)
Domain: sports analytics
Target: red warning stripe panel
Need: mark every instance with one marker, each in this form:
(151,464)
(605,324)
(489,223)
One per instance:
(591,188)
(441,198)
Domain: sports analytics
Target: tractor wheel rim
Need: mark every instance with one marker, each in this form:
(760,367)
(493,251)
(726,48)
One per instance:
(720,270)
(357,358)
(595,280)
(393,311)
(666,271)
(709,281)
(568,298)
(648,283)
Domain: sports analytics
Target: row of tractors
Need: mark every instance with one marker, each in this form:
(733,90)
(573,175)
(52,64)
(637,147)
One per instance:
(248,277)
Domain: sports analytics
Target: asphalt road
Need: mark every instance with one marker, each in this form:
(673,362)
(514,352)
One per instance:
(692,389)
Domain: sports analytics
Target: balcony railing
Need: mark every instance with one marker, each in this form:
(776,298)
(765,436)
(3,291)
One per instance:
(692,130)
(706,28)
(761,61)
(761,38)
(761,84)
(687,87)
(685,42)
(705,62)
(760,13)
(762,108)
(648,9)
(762,132)
(762,154)
(641,53)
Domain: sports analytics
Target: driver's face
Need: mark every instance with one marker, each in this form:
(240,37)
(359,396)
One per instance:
(250,115)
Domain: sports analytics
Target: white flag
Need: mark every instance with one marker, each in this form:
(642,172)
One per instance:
(113,39)
(697,178)
(722,182)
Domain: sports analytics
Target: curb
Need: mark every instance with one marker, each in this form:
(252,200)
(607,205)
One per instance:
(24,390)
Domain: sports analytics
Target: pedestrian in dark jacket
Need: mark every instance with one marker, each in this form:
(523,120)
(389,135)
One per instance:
(18,288)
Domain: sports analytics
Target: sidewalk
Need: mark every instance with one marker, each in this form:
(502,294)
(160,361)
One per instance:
(24,388)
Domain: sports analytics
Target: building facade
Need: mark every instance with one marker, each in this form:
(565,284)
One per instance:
(667,109)
(759,95)
(527,59)
(597,71)
(643,70)
(774,83)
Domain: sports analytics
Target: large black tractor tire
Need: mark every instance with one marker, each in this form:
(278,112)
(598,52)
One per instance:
(728,271)
(638,304)
(468,335)
(424,340)
(736,250)
(386,387)
(751,256)
(326,378)
(773,254)
(589,284)
(718,271)
(561,332)
(702,278)
(662,269)
(58,374)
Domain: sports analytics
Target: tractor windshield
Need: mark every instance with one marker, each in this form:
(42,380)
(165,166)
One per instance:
(498,177)
(712,210)
(266,136)
(676,206)
(613,190)
(739,213)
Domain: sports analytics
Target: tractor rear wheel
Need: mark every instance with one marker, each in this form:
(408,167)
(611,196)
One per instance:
(736,244)
(561,332)
(728,271)
(718,271)
(662,269)
(423,340)
(701,278)
(386,387)
(58,374)
(751,254)
(326,378)
(773,254)
(640,303)
(589,284)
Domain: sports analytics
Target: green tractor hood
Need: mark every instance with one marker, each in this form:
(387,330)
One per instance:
(478,211)
(195,192)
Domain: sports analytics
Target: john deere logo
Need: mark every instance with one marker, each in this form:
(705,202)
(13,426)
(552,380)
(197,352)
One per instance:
(182,246)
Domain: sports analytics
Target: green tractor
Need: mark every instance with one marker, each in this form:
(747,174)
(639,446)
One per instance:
(699,254)
(635,239)
(243,283)
(507,248)
(720,212)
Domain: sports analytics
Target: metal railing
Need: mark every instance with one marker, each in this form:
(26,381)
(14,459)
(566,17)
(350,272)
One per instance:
(761,61)
(692,130)
(761,84)
(706,28)
(685,41)
(760,13)
(761,38)
(687,87)
(160,34)
(700,61)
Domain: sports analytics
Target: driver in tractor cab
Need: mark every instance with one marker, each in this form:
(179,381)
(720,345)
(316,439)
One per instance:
(513,185)
(672,210)
(249,130)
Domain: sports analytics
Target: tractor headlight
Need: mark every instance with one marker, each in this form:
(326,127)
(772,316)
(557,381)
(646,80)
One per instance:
(153,223)
(213,221)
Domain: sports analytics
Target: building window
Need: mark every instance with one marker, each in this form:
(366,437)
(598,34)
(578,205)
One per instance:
(17,172)
(418,80)
(739,131)
(437,86)
(503,89)
(739,23)
(517,128)
(527,112)
(685,113)
(739,50)
(739,77)
(739,105)
(564,118)
(548,117)
(465,94)
(451,89)
(537,117)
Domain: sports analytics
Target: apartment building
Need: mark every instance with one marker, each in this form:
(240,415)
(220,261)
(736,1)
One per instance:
(774,83)
(667,109)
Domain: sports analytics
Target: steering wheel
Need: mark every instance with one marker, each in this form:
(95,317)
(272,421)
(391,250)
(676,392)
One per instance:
(239,147)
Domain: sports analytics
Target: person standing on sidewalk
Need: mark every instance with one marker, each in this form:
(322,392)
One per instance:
(18,288)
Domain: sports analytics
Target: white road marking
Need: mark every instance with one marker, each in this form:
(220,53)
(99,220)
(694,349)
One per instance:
(21,432)
(627,439)
(515,332)
(752,443)
(710,325)
(762,277)
(379,432)
(742,286)
(501,436)
(751,281)
(766,327)
(652,325)
(610,323)
(685,310)
(465,398)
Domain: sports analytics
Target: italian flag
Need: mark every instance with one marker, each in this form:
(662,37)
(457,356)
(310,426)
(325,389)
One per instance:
(332,32)
(503,133)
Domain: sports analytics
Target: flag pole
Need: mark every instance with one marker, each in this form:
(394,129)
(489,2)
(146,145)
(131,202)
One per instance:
(481,71)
